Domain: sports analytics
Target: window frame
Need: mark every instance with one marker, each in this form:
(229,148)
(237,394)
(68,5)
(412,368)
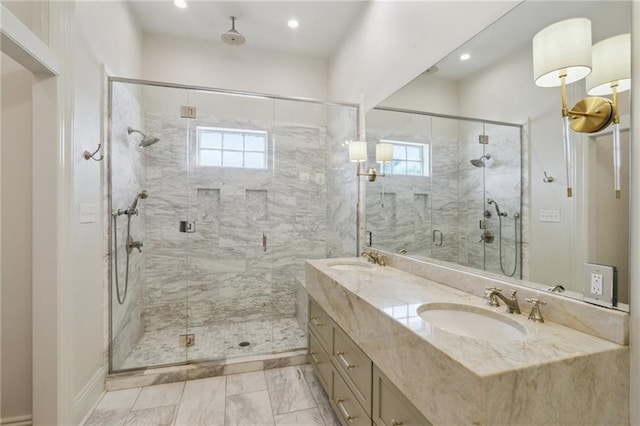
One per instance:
(425,160)
(231,131)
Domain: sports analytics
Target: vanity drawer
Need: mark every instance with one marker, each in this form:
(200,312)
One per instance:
(322,325)
(319,358)
(345,404)
(391,407)
(355,366)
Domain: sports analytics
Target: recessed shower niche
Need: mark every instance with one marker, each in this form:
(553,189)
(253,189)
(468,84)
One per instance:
(238,193)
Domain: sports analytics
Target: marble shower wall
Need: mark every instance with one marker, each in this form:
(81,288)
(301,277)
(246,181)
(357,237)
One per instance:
(499,180)
(341,182)
(398,206)
(221,273)
(127,180)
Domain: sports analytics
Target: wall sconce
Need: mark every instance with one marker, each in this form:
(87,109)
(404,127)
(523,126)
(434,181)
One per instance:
(611,75)
(562,54)
(358,154)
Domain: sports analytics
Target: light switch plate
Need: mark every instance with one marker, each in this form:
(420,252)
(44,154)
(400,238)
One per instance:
(87,213)
(549,216)
(600,284)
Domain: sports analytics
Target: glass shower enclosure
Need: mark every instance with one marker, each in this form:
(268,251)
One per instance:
(215,200)
(452,192)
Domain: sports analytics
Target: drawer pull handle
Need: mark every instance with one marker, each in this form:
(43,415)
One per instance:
(314,358)
(346,363)
(344,411)
(396,423)
(315,322)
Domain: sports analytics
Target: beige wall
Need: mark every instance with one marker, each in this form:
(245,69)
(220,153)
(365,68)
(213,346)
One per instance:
(15,262)
(33,14)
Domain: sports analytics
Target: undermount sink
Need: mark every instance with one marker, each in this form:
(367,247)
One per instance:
(471,321)
(351,266)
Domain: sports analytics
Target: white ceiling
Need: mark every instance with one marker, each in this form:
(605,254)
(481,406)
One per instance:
(515,30)
(323,24)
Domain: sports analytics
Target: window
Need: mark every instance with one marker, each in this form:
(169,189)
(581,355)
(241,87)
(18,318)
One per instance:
(409,158)
(232,148)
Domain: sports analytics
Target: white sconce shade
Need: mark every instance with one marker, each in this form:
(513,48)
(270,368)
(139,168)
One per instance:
(358,151)
(565,45)
(384,152)
(611,60)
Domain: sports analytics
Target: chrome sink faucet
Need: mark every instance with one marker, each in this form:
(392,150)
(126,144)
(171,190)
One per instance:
(494,293)
(374,257)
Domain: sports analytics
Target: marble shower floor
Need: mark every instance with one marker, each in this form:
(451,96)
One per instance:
(216,342)
(278,397)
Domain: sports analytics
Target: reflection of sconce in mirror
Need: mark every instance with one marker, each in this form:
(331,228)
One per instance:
(358,154)
(562,54)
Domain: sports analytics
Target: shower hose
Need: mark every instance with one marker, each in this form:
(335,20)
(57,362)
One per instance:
(516,216)
(115,242)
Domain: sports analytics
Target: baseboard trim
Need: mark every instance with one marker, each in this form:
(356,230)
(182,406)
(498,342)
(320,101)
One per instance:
(17,421)
(89,397)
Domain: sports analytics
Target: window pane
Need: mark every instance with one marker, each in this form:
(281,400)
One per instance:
(254,142)
(400,167)
(210,140)
(254,160)
(414,168)
(399,152)
(210,157)
(232,159)
(413,153)
(233,141)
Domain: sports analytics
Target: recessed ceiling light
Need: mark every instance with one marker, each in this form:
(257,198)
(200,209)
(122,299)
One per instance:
(182,4)
(465,57)
(293,23)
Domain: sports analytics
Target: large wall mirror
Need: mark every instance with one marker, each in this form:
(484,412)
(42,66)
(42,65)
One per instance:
(478,176)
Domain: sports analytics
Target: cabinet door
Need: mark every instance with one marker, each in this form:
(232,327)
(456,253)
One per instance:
(319,358)
(345,404)
(322,325)
(354,365)
(390,407)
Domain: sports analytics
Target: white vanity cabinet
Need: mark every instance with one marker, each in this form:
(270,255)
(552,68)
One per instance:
(357,389)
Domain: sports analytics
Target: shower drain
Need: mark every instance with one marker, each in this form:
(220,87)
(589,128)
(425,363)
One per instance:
(244,344)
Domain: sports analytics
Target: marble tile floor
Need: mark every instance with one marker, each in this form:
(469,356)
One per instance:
(277,397)
(216,342)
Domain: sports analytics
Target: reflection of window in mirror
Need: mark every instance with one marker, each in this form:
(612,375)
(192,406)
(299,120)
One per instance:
(409,158)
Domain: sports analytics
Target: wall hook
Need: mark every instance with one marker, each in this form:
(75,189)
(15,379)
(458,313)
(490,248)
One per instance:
(87,155)
(547,179)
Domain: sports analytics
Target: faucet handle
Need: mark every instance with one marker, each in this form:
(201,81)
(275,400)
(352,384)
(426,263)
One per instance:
(513,294)
(490,294)
(535,314)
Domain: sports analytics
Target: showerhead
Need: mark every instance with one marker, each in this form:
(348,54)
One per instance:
(141,196)
(146,140)
(479,162)
(233,37)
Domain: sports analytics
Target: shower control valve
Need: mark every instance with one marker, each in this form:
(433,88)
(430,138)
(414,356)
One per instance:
(134,245)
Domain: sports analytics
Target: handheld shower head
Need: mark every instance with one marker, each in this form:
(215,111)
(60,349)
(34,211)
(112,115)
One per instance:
(146,140)
(141,196)
(479,162)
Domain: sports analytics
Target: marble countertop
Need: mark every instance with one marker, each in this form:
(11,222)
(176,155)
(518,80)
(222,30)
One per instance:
(399,294)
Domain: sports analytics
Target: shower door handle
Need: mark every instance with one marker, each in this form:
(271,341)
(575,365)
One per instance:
(264,242)
(436,237)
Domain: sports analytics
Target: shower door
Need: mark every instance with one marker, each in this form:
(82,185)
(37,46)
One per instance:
(230,197)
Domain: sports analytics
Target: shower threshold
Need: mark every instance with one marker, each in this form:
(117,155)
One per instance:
(203,369)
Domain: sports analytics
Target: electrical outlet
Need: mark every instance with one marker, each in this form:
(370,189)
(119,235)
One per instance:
(600,284)
(596,284)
